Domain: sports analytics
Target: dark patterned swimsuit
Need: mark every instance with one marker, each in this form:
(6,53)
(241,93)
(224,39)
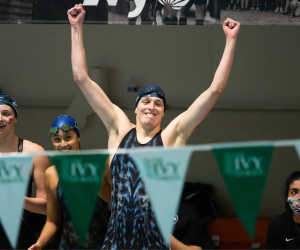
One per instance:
(132,224)
(95,237)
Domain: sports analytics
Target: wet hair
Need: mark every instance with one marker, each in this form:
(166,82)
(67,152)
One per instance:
(292,177)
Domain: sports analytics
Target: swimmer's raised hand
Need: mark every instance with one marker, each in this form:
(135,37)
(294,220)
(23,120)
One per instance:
(76,15)
(231,28)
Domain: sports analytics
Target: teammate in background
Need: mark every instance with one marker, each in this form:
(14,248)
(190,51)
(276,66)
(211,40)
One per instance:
(65,136)
(284,229)
(132,224)
(187,229)
(11,143)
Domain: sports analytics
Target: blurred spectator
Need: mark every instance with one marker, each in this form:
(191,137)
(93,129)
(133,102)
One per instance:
(294,8)
(233,4)
(200,11)
(284,229)
(255,3)
(187,233)
(244,5)
(265,5)
(279,6)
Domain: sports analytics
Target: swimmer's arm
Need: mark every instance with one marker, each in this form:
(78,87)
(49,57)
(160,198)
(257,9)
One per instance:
(105,190)
(40,164)
(53,214)
(176,244)
(186,123)
(92,91)
(107,174)
(110,114)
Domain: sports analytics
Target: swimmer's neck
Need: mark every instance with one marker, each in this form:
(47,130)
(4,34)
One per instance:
(145,134)
(9,143)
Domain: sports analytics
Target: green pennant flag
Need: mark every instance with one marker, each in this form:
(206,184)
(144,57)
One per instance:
(245,171)
(80,177)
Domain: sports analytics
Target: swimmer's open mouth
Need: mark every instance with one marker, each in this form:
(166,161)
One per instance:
(64,149)
(2,126)
(151,114)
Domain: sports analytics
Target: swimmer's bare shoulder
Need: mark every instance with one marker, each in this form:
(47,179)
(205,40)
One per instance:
(40,164)
(30,147)
(51,179)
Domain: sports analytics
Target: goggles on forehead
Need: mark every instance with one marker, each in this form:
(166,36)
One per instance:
(148,91)
(64,128)
(8,100)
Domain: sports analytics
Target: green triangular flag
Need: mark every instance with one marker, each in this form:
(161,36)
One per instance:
(80,177)
(245,171)
(163,174)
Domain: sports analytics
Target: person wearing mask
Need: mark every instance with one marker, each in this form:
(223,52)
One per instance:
(284,229)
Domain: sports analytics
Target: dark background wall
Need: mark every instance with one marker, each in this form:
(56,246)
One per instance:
(260,102)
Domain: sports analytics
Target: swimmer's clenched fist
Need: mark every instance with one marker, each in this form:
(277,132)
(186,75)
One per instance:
(231,28)
(76,14)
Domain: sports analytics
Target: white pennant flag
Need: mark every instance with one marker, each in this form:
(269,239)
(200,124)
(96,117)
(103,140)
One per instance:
(163,174)
(14,177)
(297,148)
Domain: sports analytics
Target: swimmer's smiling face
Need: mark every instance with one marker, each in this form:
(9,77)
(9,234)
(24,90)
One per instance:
(150,111)
(7,119)
(65,141)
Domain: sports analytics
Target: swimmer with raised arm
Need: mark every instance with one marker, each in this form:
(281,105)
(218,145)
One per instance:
(132,224)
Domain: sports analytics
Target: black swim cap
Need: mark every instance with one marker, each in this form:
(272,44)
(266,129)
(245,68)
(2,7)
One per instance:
(9,101)
(152,91)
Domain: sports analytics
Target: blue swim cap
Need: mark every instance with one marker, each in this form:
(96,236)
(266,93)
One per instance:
(9,101)
(66,120)
(152,91)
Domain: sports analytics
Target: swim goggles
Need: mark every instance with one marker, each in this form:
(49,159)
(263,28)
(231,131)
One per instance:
(8,100)
(64,128)
(148,91)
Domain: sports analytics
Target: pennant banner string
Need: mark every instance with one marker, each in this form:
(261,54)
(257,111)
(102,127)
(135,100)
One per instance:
(163,167)
(200,147)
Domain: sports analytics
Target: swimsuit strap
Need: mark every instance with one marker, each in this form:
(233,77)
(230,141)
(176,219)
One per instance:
(20,145)
(28,194)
